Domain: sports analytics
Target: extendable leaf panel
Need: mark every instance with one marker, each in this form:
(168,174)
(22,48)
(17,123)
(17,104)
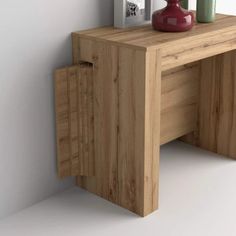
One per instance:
(75,120)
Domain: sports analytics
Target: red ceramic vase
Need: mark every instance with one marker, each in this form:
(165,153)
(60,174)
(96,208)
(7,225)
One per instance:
(172,18)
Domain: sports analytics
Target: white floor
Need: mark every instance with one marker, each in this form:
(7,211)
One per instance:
(197,198)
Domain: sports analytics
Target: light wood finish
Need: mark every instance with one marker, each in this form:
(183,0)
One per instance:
(74,120)
(179,101)
(126,127)
(105,122)
(139,132)
(62,123)
(149,88)
(217,106)
(203,41)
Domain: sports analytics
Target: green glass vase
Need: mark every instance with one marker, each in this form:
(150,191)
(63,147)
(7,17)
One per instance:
(184,4)
(206,11)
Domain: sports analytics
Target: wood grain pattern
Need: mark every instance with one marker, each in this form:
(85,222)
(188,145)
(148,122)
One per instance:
(105,183)
(62,122)
(131,130)
(75,49)
(217,106)
(138,148)
(73,123)
(142,37)
(126,140)
(74,109)
(152,131)
(198,47)
(179,100)
(150,88)
(177,48)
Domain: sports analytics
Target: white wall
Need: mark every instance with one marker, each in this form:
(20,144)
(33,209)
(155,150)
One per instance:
(223,6)
(35,39)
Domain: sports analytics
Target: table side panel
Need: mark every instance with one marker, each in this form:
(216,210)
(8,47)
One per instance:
(105,64)
(216,131)
(127,130)
(152,131)
(179,101)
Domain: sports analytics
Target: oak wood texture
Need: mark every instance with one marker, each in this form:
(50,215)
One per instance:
(178,105)
(150,88)
(127,127)
(204,40)
(179,100)
(74,120)
(216,130)
(127,117)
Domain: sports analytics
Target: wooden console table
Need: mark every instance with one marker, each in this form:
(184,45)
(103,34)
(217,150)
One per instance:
(132,90)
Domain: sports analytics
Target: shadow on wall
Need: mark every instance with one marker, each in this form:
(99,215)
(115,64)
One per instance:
(36,41)
(107,6)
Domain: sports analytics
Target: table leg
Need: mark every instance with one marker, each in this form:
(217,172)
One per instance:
(217,106)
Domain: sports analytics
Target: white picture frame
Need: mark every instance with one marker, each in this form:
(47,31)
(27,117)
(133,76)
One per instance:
(129,13)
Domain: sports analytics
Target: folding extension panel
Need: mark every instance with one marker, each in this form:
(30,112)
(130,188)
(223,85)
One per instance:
(74,120)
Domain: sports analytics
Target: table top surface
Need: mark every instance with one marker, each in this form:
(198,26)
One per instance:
(144,37)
